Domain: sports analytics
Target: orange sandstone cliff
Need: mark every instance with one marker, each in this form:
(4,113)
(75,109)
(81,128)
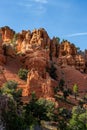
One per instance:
(38,53)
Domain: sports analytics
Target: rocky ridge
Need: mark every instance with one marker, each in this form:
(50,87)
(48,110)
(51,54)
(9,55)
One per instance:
(38,53)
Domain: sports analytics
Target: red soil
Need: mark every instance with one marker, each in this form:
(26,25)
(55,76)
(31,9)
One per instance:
(10,72)
(73,76)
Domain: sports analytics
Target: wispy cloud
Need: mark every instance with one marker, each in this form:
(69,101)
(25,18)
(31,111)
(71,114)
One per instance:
(76,34)
(39,10)
(25,4)
(41,1)
(36,7)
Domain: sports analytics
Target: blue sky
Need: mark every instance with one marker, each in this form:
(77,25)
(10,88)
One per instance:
(66,19)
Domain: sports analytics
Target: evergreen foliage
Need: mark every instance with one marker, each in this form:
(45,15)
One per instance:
(22,73)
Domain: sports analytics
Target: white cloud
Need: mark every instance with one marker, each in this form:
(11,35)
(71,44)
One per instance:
(25,4)
(41,1)
(76,34)
(37,7)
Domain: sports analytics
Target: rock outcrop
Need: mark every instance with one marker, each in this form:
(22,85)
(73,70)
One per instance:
(39,79)
(2,57)
(66,48)
(7,34)
(64,53)
(27,40)
(68,56)
(42,86)
(38,52)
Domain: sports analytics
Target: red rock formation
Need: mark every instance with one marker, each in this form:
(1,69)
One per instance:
(37,59)
(9,50)
(2,57)
(27,40)
(66,48)
(42,86)
(68,56)
(38,78)
(30,41)
(38,52)
(65,52)
(7,34)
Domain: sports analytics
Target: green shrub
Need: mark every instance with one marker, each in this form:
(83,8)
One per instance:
(38,109)
(11,84)
(75,90)
(12,109)
(11,116)
(10,89)
(22,73)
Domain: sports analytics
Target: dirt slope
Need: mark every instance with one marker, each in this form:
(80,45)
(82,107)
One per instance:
(72,76)
(10,72)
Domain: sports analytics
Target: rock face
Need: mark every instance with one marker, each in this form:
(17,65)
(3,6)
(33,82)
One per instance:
(7,34)
(2,57)
(64,53)
(68,56)
(66,48)
(39,52)
(28,39)
(39,79)
(42,86)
